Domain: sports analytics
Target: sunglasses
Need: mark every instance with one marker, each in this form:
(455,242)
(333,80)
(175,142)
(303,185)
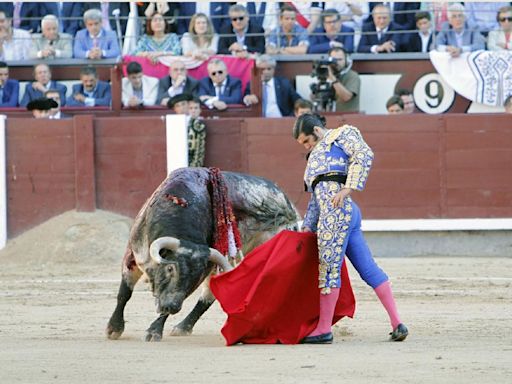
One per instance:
(502,19)
(215,73)
(240,18)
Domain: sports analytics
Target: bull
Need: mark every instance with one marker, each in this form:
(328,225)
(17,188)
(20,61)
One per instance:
(172,234)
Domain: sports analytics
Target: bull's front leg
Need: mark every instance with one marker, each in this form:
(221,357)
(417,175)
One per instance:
(131,274)
(205,301)
(156,329)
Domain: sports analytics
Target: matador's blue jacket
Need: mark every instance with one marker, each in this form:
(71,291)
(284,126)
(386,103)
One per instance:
(341,150)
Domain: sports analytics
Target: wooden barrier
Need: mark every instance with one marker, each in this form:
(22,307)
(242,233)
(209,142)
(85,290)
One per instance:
(450,166)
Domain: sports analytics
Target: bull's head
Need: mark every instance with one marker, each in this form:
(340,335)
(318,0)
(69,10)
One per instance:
(179,268)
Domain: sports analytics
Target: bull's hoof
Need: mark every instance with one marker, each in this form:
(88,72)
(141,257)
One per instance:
(152,336)
(114,332)
(181,331)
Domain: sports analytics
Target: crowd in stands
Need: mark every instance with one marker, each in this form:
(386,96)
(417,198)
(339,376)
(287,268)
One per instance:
(200,30)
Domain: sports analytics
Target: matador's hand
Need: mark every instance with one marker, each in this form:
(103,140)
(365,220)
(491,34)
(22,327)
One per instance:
(337,200)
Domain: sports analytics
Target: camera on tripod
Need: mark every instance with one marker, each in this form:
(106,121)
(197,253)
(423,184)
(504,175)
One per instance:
(324,96)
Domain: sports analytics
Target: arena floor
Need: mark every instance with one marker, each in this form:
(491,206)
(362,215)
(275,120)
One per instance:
(58,292)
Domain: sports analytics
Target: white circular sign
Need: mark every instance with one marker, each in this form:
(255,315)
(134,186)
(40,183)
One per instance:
(432,95)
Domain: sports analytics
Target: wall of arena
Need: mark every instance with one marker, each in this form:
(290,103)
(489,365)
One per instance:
(446,166)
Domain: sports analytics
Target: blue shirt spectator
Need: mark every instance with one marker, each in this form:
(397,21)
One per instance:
(9,88)
(289,37)
(91,92)
(94,42)
(332,34)
(457,37)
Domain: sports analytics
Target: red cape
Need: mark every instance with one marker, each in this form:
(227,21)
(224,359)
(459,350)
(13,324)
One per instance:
(273,296)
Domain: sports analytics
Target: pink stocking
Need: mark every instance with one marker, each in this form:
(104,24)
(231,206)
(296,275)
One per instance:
(385,295)
(327,306)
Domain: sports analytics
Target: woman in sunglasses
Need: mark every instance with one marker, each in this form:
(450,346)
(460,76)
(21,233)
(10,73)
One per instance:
(501,39)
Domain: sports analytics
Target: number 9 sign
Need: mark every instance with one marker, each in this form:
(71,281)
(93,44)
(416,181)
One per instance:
(432,95)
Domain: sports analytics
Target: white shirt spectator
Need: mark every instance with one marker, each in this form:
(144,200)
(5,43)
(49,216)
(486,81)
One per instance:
(17,48)
(270,105)
(188,45)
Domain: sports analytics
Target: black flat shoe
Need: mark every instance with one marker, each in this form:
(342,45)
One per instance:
(399,333)
(324,338)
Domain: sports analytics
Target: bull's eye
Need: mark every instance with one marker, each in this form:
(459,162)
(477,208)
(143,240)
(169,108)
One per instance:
(171,268)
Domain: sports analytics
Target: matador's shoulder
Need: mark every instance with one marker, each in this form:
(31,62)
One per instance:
(334,134)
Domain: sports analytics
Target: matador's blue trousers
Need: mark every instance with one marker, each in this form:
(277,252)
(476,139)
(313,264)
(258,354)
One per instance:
(339,233)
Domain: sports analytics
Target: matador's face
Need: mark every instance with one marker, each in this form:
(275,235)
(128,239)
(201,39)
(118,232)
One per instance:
(308,141)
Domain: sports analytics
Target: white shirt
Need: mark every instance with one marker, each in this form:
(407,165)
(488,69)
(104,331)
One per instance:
(272,109)
(424,41)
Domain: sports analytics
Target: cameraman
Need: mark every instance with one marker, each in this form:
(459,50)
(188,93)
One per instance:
(345,82)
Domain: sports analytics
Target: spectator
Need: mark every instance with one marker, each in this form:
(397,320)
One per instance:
(289,37)
(508,104)
(395,105)
(200,42)
(176,83)
(215,10)
(219,88)
(457,37)
(481,16)
(352,13)
(302,106)
(422,40)
(43,82)
(179,103)
(138,89)
(41,107)
(241,37)
(9,88)
(408,100)
(262,14)
(108,11)
(15,44)
(91,92)
(401,13)
(94,42)
(383,35)
(157,42)
(55,113)
(168,9)
(51,44)
(332,34)
(194,108)
(278,95)
(345,82)
(501,39)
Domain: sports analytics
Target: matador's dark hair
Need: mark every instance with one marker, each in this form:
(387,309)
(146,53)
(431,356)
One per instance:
(305,124)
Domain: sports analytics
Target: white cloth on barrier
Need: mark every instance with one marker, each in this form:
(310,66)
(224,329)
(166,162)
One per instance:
(481,76)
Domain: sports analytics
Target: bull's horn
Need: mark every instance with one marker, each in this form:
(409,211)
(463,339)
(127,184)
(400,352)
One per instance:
(171,243)
(219,259)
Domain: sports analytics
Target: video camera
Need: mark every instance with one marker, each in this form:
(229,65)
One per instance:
(324,96)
